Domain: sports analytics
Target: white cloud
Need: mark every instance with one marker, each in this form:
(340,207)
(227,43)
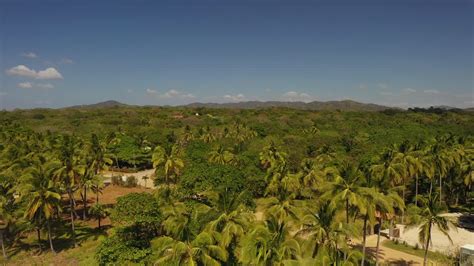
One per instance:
(176,94)
(24,71)
(431,91)
(49,73)
(29,85)
(25,85)
(297,96)
(150,91)
(235,98)
(21,70)
(29,55)
(45,85)
(408,90)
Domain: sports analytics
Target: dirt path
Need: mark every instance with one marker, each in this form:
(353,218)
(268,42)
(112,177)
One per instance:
(391,256)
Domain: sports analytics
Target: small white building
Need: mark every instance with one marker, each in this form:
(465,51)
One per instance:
(466,255)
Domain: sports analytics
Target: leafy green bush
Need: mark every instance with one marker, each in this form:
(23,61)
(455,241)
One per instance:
(137,209)
(120,250)
(131,181)
(117,180)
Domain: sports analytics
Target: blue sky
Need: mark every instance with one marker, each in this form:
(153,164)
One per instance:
(398,53)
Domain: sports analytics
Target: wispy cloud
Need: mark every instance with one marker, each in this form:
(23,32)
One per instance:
(408,90)
(29,55)
(24,71)
(235,98)
(431,91)
(171,94)
(25,85)
(30,85)
(294,96)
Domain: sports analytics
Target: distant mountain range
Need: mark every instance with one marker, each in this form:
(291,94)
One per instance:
(345,105)
(106,104)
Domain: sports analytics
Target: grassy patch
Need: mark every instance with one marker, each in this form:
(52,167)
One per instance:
(432,256)
(26,251)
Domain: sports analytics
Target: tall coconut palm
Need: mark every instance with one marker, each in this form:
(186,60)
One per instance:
(272,158)
(72,168)
(168,160)
(437,161)
(100,158)
(370,199)
(220,155)
(345,188)
(323,231)
(385,204)
(203,250)
(232,217)
(431,216)
(268,244)
(42,193)
(3,225)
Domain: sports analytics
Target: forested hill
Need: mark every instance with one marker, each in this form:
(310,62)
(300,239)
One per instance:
(346,105)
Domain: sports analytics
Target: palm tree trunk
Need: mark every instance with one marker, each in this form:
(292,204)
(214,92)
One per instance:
(73,232)
(364,238)
(378,242)
(38,232)
(425,259)
(416,190)
(3,245)
(50,238)
(403,212)
(99,221)
(347,211)
(84,202)
(431,186)
(97,195)
(440,188)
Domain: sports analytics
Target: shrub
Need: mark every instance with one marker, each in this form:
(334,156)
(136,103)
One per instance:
(131,181)
(117,249)
(117,180)
(137,208)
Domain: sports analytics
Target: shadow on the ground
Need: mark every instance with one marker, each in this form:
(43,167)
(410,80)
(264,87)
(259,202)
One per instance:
(466,221)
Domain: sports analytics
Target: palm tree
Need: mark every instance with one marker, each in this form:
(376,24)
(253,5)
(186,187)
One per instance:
(203,250)
(99,212)
(345,188)
(385,207)
(232,217)
(321,229)
(437,161)
(431,216)
(169,161)
(221,156)
(100,158)
(69,173)
(269,243)
(208,136)
(271,158)
(3,225)
(42,192)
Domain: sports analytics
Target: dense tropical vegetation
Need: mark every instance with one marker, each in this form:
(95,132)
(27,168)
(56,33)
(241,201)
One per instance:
(250,187)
